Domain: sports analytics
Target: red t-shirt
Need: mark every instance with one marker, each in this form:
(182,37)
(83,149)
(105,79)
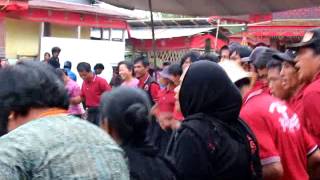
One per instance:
(311,108)
(92,90)
(177,115)
(296,104)
(279,133)
(166,101)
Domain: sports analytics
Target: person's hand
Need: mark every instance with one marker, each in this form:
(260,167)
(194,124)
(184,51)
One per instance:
(165,120)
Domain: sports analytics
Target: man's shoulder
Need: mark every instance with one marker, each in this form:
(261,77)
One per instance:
(313,87)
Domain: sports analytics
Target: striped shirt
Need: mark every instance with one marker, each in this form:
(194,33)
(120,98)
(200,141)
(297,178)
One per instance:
(60,147)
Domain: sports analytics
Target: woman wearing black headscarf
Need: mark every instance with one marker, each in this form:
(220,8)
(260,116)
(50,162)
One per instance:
(212,142)
(125,116)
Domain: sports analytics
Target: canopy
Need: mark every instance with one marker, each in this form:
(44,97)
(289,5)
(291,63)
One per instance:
(166,33)
(215,7)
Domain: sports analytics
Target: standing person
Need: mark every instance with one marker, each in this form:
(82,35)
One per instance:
(291,82)
(126,73)
(54,61)
(125,116)
(74,93)
(116,78)
(67,67)
(164,108)
(92,88)
(284,144)
(189,58)
(212,143)
(224,53)
(40,140)
(308,65)
(146,82)
(175,72)
(47,57)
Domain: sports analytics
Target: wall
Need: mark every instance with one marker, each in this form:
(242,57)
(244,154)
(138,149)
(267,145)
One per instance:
(22,38)
(63,31)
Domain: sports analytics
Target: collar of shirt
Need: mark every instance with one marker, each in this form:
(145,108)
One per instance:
(316,77)
(92,79)
(258,88)
(143,80)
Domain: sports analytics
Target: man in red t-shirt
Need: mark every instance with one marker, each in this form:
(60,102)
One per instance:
(286,149)
(308,65)
(146,82)
(92,88)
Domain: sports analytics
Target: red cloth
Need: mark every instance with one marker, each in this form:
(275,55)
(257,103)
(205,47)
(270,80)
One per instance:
(93,89)
(166,101)
(296,104)
(279,133)
(154,87)
(177,115)
(311,108)
(260,86)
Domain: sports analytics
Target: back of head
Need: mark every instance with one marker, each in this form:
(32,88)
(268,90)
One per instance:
(192,55)
(67,65)
(242,51)
(84,67)
(207,89)
(127,112)
(209,57)
(260,56)
(31,84)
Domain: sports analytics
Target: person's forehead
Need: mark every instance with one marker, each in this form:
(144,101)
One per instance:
(303,50)
(138,64)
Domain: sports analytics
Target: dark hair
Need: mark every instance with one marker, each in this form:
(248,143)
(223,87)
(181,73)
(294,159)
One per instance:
(55,49)
(193,55)
(274,64)
(175,69)
(225,47)
(67,64)
(127,112)
(46,53)
(83,66)
(128,64)
(30,84)
(98,66)
(242,51)
(166,63)
(144,61)
(209,57)
(61,72)
(242,82)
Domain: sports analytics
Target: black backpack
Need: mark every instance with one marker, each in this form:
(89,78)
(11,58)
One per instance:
(218,136)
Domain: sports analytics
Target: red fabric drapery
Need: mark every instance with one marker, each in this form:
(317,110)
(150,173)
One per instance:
(68,18)
(176,43)
(14,5)
(270,31)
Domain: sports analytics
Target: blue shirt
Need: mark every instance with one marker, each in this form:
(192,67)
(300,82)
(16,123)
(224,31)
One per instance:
(60,147)
(71,74)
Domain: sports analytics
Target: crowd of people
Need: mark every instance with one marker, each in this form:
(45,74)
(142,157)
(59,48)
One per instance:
(249,113)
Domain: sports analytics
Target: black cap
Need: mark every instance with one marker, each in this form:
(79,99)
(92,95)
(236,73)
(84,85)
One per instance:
(287,56)
(260,56)
(310,38)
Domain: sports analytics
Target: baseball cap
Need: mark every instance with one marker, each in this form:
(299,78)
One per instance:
(165,73)
(287,56)
(311,37)
(260,56)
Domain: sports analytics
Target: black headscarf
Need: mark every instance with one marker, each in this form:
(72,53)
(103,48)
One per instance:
(207,89)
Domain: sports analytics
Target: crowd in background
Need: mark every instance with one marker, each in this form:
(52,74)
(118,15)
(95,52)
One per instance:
(243,114)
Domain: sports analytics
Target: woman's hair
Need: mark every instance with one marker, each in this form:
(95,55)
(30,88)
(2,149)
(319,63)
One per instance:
(127,112)
(30,84)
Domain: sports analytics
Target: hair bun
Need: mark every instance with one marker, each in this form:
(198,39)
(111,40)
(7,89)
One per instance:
(136,114)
